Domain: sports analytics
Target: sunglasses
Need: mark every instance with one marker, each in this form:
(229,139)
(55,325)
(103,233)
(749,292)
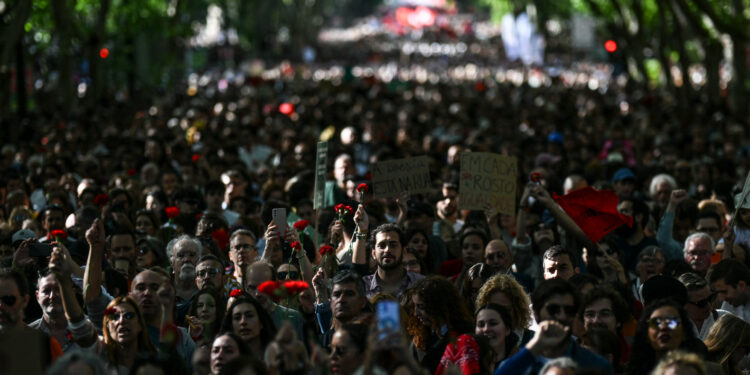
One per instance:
(124,316)
(555,309)
(209,272)
(671,323)
(8,300)
(704,302)
(291,274)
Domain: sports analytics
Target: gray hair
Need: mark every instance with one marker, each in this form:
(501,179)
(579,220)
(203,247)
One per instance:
(183,238)
(658,180)
(60,366)
(561,363)
(698,235)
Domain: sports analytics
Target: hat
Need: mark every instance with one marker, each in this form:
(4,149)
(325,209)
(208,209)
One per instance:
(661,286)
(546,160)
(22,235)
(743,204)
(623,174)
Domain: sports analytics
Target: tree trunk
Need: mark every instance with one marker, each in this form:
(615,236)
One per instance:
(65,89)
(10,35)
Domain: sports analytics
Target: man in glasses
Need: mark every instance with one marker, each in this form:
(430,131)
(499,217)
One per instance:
(603,307)
(699,305)
(210,272)
(242,252)
(497,255)
(555,304)
(258,273)
(698,250)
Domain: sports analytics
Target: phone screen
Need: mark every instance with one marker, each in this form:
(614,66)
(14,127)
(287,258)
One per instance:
(388,316)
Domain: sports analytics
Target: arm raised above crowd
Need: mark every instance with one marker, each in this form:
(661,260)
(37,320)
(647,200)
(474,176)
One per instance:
(562,217)
(92,278)
(359,254)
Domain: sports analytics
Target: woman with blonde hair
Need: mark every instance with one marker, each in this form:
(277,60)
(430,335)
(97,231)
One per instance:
(505,291)
(680,362)
(728,342)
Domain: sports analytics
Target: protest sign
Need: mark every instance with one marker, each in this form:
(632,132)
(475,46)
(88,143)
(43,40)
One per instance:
(392,177)
(488,178)
(321,161)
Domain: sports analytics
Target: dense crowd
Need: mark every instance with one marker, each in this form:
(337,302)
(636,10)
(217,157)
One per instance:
(154,242)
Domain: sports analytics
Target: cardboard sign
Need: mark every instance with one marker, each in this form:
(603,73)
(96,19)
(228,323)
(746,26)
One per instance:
(488,178)
(392,177)
(321,162)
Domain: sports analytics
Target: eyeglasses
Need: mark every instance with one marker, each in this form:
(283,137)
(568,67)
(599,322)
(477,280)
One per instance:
(124,316)
(291,274)
(208,272)
(554,309)
(669,322)
(704,302)
(8,300)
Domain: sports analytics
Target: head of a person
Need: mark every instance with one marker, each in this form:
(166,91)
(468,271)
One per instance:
(700,297)
(78,362)
(661,188)
(505,291)
(242,250)
(121,252)
(144,290)
(417,239)
(14,296)
(348,298)
(208,305)
(348,347)
(636,209)
(437,304)
(149,253)
(698,249)
(124,324)
(555,299)
(413,262)
(388,245)
(584,282)
(53,217)
(184,252)
(604,307)
(247,318)
(476,276)
(498,256)
(48,296)
(624,182)
(559,366)
(258,273)
(473,242)
(709,222)
(343,166)
(493,322)
(729,279)
(225,348)
(449,206)
(679,362)
(557,262)
(728,341)
(146,223)
(209,272)
(650,262)
(214,195)
(664,326)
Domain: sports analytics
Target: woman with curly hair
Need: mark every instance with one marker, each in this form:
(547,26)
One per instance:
(505,291)
(728,342)
(664,326)
(443,318)
(247,318)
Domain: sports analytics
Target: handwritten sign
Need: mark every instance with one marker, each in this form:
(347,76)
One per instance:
(321,161)
(392,177)
(488,178)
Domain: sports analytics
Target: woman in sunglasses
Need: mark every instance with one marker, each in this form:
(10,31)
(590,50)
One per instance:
(664,326)
(124,335)
(205,315)
(150,253)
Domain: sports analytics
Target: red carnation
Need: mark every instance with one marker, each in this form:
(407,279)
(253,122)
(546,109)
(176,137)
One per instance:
(363,188)
(172,212)
(195,157)
(535,177)
(221,237)
(59,234)
(297,246)
(235,293)
(132,172)
(338,207)
(348,210)
(269,288)
(300,225)
(295,286)
(110,311)
(326,250)
(101,199)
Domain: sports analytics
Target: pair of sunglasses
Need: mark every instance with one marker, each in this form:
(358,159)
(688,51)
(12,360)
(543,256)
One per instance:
(671,323)
(283,275)
(704,302)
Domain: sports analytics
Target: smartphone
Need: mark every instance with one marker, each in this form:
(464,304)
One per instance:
(40,250)
(279,218)
(388,317)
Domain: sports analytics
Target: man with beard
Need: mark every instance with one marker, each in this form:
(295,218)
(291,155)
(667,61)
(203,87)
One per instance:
(650,264)
(729,279)
(346,304)
(121,252)
(604,308)
(631,240)
(698,250)
(388,251)
(699,305)
(497,255)
(555,303)
(184,252)
(448,221)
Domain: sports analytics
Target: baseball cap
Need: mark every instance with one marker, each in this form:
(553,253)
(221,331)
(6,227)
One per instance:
(623,174)
(22,235)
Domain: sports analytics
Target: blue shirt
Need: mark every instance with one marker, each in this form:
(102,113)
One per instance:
(526,363)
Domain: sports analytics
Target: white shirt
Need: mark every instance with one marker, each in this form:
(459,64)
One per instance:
(708,323)
(742,311)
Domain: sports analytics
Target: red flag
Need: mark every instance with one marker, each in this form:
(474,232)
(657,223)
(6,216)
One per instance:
(594,211)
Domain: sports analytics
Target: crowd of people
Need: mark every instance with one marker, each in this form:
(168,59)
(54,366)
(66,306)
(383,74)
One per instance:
(184,238)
